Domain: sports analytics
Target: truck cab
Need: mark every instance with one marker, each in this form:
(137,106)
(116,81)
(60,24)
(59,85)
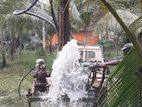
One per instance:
(91,53)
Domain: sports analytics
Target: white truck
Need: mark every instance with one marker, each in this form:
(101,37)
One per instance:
(91,56)
(91,53)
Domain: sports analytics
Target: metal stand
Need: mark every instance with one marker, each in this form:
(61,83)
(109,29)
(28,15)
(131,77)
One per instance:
(28,95)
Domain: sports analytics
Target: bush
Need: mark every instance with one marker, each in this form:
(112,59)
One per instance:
(40,52)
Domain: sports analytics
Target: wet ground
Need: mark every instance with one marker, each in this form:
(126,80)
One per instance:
(68,104)
(87,101)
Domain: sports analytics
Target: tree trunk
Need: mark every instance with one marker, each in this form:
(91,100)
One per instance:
(3,63)
(43,36)
(64,24)
(21,44)
(18,41)
(12,50)
(43,31)
(140,39)
(50,43)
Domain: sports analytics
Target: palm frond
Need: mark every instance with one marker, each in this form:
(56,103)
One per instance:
(75,12)
(123,85)
(136,26)
(37,12)
(8,6)
(86,5)
(130,35)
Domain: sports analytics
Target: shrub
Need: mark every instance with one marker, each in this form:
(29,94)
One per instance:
(40,52)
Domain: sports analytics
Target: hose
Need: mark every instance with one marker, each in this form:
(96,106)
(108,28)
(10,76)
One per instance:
(19,12)
(53,16)
(19,88)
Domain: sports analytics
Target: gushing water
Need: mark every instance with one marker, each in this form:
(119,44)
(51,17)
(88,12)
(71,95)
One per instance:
(68,77)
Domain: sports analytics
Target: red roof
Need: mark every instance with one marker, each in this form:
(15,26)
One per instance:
(55,39)
(81,37)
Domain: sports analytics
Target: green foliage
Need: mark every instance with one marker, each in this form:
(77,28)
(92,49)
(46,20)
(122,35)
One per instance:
(27,59)
(123,85)
(49,61)
(86,17)
(109,49)
(48,57)
(40,52)
(9,80)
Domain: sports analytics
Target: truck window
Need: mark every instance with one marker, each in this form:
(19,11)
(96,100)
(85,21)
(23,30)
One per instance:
(81,54)
(88,54)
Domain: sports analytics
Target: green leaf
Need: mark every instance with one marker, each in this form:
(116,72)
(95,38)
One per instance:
(123,84)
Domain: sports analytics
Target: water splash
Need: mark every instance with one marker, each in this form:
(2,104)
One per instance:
(67,77)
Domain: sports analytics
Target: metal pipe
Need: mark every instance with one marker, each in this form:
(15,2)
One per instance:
(27,11)
(53,15)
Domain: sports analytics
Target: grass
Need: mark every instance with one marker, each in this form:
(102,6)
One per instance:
(16,68)
(11,75)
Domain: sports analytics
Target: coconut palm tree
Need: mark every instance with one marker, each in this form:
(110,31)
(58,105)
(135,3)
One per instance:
(124,84)
(14,24)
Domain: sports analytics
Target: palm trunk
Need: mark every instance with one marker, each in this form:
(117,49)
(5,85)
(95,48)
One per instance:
(3,63)
(19,40)
(12,50)
(43,31)
(53,16)
(21,45)
(64,24)
(43,36)
(140,39)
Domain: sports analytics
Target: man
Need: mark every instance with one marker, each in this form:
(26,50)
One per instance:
(126,48)
(40,75)
(39,62)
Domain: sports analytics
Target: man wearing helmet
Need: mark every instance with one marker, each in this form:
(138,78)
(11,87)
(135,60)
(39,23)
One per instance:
(126,48)
(40,75)
(39,62)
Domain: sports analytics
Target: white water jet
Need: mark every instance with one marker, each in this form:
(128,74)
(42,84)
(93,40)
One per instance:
(68,77)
